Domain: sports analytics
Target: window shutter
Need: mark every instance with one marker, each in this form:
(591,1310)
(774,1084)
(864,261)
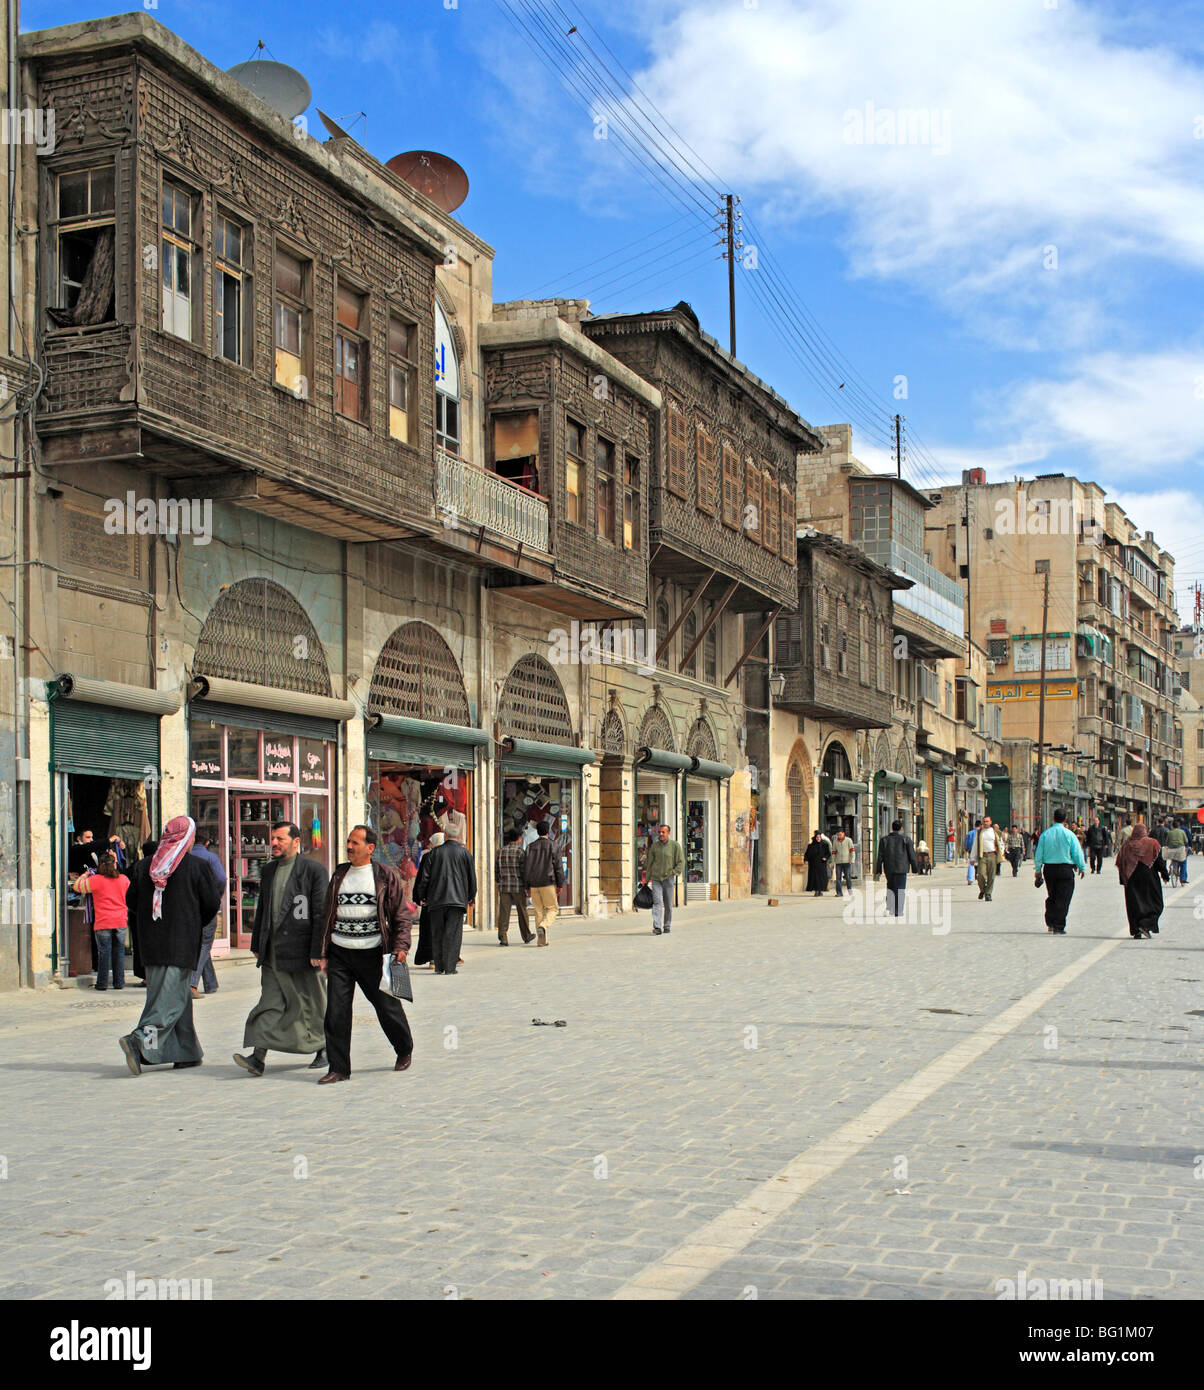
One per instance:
(769,514)
(731,486)
(786,493)
(705,449)
(676,481)
(753,518)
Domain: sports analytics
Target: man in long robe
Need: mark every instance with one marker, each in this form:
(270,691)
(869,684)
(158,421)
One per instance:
(286,938)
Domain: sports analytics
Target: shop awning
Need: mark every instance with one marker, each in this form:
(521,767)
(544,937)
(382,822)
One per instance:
(912,782)
(544,759)
(838,784)
(267,697)
(394,738)
(134,697)
(663,760)
(892,779)
(703,767)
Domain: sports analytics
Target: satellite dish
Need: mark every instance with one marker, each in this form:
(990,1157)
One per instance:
(436,175)
(281,87)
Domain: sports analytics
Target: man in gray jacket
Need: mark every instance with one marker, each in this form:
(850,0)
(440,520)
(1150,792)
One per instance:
(665,863)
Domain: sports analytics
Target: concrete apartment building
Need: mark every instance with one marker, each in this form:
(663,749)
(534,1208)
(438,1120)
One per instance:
(1189,715)
(1109,703)
(929,767)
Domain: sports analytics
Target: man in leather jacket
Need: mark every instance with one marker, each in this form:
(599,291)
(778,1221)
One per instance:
(446,885)
(896,855)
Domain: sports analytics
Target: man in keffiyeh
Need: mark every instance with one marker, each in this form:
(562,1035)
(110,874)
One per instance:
(168,909)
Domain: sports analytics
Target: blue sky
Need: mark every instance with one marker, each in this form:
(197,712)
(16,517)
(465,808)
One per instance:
(1028,255)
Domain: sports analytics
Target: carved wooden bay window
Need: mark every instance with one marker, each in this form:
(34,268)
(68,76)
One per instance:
(351,350)
(574,472)
(514,448)
(403,374)
(180,257)
(293,315)
(82,237)
(233,296)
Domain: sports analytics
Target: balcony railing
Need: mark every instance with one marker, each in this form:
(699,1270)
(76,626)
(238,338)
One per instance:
(935,596)
(476,497)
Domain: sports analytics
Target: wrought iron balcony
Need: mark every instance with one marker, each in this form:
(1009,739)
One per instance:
(471,496)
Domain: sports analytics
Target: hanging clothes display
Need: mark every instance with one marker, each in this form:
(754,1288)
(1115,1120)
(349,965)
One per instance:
(127,813)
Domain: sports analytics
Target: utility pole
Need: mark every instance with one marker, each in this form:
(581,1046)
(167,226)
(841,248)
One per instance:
(1040,816)
(898,446)
(731,273)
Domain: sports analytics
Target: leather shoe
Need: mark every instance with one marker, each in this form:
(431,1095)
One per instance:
(250,1063)
(319,1060)
(133,1057)
(403,1063)
(332,1076)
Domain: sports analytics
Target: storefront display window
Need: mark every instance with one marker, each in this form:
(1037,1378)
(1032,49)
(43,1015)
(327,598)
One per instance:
(528,800)
(696,842)
(243,781)
(650,813)
(410,804)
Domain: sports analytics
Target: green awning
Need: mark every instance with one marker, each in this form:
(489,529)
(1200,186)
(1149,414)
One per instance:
(544,759)
(662,760)
(892,779)
(717,772)
(912,782)
(838,784)
(392,738)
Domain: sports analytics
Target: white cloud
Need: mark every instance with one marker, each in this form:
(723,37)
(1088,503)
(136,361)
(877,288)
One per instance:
(1125,412)
(1060,134)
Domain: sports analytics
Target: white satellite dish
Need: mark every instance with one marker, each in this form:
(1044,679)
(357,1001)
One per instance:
(281,87)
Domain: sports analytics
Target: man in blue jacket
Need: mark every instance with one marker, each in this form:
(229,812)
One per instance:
(1058,855)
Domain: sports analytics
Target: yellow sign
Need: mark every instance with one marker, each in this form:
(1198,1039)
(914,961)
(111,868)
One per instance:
(1031,690)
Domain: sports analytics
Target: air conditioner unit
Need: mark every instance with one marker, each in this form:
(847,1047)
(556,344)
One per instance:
(1051,780)
(969,782)
(990,668)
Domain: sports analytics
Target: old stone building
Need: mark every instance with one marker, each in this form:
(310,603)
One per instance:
(834,657)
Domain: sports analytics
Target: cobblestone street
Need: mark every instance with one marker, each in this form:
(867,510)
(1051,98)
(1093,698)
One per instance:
(767,1103)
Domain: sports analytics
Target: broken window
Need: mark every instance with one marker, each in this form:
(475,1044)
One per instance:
(514,448)
(293,286)
(83,240)
(403,357)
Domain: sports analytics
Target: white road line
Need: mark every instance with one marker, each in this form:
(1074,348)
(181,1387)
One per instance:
(686,1267)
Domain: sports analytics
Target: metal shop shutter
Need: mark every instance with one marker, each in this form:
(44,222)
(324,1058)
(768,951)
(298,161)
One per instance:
(104,740)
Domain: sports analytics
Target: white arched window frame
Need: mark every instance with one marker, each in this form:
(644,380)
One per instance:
(447,385)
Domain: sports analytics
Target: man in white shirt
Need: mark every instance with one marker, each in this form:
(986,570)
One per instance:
(987,850)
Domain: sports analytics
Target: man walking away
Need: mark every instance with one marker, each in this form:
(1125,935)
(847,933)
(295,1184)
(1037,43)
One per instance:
(511,890)
(1058,855)
(843,851)
(204,966)
(543,878)
(446,885)
(665,864)
(987,848)
(1175,851)
(366,913)
(896,854)
(1097,838)
(171,903)
(1014,847)
(1123,834)
(286,940)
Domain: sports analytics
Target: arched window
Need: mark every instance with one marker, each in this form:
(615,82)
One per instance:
(447,385)
(798,809)
(662,626)
(689,634)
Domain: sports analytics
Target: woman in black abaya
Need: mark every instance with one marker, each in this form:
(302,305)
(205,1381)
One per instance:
(1140,864)
(817,855)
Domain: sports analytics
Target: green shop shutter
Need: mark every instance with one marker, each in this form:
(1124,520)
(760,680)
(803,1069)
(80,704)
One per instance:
(104,740)
(662,760)
(393,739)
(717,772)
(269,721)
(545,759)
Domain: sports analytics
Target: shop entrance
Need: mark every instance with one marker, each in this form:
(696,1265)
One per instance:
(529,799)
(410,803)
